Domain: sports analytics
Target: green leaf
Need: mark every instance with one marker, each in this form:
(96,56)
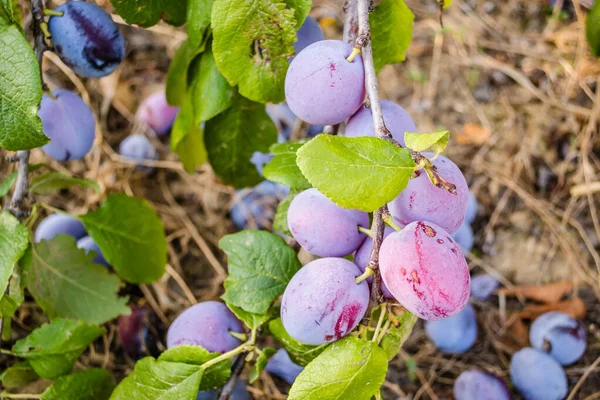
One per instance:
(437,141)
(592,29)
(391,32)
(7,184)
(14,239)
(447,3)
(20,92)
(261,363)
(214,376)
(233,136)
(209,90)
(177,76)
(397,335)
(358,173)
(283,168)
(260,265)
(237,26)
(301,9)
(18,375)
(131,237)
(187,138)
(280,223)
(53,181)
(198,19)
(8,306)
(251,320)
(90,384)
(300,353)
(147,13)
(350,368)
(53,348)
(65,282)
(10,11)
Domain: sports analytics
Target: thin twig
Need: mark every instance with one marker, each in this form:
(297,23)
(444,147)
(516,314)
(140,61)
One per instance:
(236,370)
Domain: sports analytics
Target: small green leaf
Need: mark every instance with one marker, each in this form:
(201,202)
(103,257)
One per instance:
(53,348)
(20,92)
(391,32)
(300,353)
(53,181)
(437,141)
(14,239)
(90,384)
(8,306)
(177,76)
(260,266)
(233,136)
(301,9)
(447,3)
(350,368)
(261,363)
(252,42)
(10,11)
(65,282)
(251,320)
(7,184)
(197,19)
(18,375)
(209,90)
(214,376)
(147,13)
(397,335)
(131,237)
(280,223)
(187,138)
(592,29)
(358,173)
(283,168)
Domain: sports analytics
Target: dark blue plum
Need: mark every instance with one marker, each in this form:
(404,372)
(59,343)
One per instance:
(362,256)
(69,123)
(255,208)
(283,118)
(260,160)
(464,237)
(472,205)
(140,148)
(282,365)
(537,376)
(483,286)
(309,32)
(456,334)
(86,39)
(88,244)
(476,385)
(59,224)
(560,335)
(239,392)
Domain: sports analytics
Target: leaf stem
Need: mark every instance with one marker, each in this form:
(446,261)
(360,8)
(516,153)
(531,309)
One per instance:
(240,349)
(380,322)
(366,231)
(10,353)
(54,209)
(54,13)
(365,275)
(6,395)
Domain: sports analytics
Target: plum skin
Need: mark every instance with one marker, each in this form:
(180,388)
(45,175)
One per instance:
(86,39)
(321,86)
(282,365)
(88,244)
(560,335)
(537,376)
(477,385)
(322,227)
(59,224)
(421,200)
(309,33)
(425,271)
(138,147)
(69,122)
(464,237)
(205,324)
(156,112)
(362,256)
(483,286)
(322,302)
(456,334)
(397,120)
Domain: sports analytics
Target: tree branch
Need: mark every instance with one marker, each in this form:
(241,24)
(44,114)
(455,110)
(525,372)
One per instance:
(236,370)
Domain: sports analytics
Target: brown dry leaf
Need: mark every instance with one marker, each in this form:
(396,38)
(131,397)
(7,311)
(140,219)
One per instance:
(517,333)
(573,306)
(548,293)
(472,134)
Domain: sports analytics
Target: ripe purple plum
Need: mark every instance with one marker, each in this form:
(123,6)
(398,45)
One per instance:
(464,237)
(69,123)
(425,271)
(88,244)
(309,33)
(321,86)
(560,335)
(483,286)
(157,113)
(86,39)
(139,332)
(363,256)
(421,200)
(477,385)
(322,227)
(537,376)
(239,392)
(140,148)
(397,120)
(472,206)
(456,334)
(59,224)
(255,208)
(205,324)
(323,303)
(282,365)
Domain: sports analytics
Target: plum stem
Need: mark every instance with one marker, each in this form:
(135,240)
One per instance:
(388,220)
(352,56)
(6,395)
(382,314)
(365,275)
(53,13)
(241,336)
(236,370)
(366,231)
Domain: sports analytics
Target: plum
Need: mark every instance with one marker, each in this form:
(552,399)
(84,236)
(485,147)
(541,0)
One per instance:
(157,113)
(397,120)
(88,244)
(309,33)
(59,224)
(483,286)
(464,237)
(537,376)
(255,208)
(282,365)
(456,334)
(363,256)
(477,385)
(140,148)
(560,335)
(239,392)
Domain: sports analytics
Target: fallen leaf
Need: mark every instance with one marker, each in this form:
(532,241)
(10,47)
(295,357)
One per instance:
(573,306)
(548,293)
(472,134)
(517,332)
